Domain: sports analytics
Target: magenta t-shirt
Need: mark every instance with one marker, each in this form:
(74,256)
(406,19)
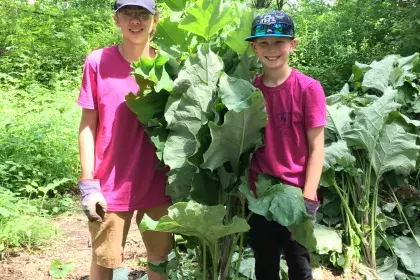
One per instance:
(125,160)
(293,107)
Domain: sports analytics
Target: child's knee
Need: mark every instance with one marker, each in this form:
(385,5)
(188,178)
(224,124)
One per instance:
(158,244)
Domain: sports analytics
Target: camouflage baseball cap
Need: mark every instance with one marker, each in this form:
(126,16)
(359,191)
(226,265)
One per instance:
(272,24)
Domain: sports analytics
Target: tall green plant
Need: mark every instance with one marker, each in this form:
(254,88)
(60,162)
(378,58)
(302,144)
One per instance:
(369,137)
(205,125)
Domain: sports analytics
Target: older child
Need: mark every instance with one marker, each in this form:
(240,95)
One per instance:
(117,159)
(294,141)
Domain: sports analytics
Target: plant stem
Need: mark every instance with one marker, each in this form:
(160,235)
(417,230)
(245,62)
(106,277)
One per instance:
(373,224)
(204,261)
(215,257)
(348,211)
(178,257)
(238,263)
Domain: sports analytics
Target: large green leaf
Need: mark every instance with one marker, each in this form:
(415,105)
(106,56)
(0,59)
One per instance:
(395,150)
(176,5)
(235,38)
(388,269)
(235,93)
(151,74)
(338,154)
(370,120)
(408,251)
(338,119)
(205,188)
(194,219)
(278,202)
(147,106)
(207,17)
(378,77)
(303,233)
(185,117)
(327,240)
(240,132)
(283,204)
(180,181)
(180,145)
(201,68)
(155,85)
(158,138)
(172,39)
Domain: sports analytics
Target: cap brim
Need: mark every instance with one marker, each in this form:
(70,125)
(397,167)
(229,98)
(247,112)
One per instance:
(152,11)
(251,38)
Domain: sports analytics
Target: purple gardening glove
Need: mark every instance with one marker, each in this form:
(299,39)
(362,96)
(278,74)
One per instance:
(311,208)
(93,202)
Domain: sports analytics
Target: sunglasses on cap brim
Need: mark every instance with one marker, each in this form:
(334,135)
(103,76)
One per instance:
(272,29)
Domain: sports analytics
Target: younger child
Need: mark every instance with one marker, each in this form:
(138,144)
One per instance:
(118,161)
(294,141)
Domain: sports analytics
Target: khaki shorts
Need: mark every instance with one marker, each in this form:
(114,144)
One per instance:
(109,236)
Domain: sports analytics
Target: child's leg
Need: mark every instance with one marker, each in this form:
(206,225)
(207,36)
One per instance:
(266,247)
(99,272)
(158,244)
(108,240)
(298,260)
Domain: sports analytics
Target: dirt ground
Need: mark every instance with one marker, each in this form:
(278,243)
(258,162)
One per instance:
(72,246)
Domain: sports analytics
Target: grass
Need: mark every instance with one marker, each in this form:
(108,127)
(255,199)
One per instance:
(39,161)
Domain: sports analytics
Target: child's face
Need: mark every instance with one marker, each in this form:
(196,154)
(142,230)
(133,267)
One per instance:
(273,52)
(136,23)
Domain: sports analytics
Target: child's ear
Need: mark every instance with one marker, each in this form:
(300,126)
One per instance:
(252,43)
(294,44)
(156,18)
(116,20)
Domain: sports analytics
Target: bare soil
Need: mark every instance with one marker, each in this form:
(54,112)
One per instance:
(73,245)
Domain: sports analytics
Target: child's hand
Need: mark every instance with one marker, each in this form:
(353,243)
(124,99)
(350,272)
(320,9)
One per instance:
(93,202)
(311,208)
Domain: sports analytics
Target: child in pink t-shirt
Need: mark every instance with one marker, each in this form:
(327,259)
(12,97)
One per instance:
(118,161)
(294,142)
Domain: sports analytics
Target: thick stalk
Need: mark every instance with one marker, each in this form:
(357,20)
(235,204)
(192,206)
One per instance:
(204,261)
(215,258)
(373,224)
(178,258)
(238,263)
(348,211)
(353,221)
(229,242)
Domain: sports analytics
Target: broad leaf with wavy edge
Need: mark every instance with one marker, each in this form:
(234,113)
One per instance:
(378,76)
(370,120)
(172,39)
(338,154)
(201,68)
(186,115)
(283,204)
(207,17)
(193,219)
(235,38)
(408,250)
(395,150)
(239,133)
(338,119)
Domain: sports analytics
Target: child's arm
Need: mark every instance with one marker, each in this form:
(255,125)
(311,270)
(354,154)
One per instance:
(87,136)
(315,161)
(93,202)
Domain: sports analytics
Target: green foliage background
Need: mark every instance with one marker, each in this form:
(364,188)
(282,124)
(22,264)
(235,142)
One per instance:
(42,48)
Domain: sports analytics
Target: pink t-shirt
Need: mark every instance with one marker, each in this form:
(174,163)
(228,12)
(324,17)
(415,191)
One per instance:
(293,107)
(125,159)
